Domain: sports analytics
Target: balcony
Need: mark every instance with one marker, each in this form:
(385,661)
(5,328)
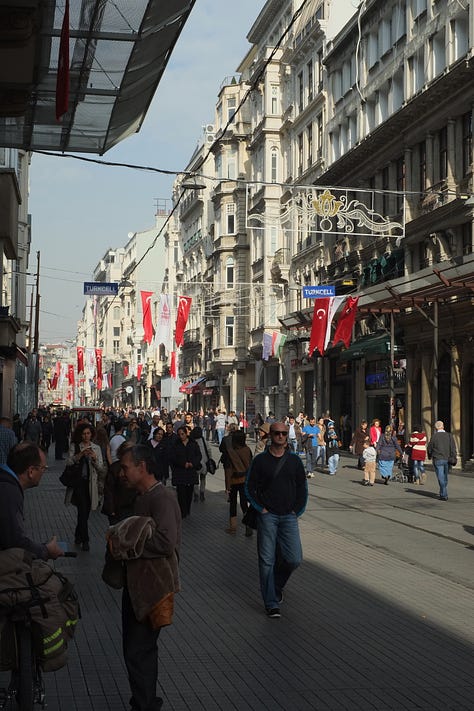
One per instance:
(192,336)
(10,199)
(9,328)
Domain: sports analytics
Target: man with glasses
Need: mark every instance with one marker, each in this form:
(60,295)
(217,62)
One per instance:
(276,487)
(25,466)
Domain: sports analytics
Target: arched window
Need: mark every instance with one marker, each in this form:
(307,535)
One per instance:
(274,166)
(116,313)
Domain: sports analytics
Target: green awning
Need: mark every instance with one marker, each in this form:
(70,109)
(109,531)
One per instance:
(375,344)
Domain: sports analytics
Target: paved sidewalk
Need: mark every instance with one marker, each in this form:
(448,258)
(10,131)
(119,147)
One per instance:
(379,616)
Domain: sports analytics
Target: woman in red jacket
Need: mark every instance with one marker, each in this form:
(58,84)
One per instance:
(417,443)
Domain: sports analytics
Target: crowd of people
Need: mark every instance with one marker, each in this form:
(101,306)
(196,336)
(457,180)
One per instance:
(125,463)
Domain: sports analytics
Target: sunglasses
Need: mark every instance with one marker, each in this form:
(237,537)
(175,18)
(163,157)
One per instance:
(280,432)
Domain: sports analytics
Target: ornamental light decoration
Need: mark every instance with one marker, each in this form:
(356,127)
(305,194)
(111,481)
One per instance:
(329,210)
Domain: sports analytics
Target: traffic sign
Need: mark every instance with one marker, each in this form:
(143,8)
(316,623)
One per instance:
(318,292)
(101,288)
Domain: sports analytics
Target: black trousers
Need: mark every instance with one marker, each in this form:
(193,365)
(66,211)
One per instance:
(184,493)
(140,652)
(234,490)
(82,500)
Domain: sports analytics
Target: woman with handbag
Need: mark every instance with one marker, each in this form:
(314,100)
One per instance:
(89,485)
(240,457)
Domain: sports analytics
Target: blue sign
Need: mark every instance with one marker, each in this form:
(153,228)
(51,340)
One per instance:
(101,288)
(318,292)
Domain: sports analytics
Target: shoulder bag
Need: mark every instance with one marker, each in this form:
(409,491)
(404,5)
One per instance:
(251,516)
(72,473)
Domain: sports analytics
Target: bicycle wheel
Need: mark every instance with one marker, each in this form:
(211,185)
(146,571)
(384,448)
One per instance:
(25,691)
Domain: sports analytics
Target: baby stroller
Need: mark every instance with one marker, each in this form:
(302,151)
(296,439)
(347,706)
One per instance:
(405,467)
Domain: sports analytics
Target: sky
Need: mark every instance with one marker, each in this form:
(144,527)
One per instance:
(80,210)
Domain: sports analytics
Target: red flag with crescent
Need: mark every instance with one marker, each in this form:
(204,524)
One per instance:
(346,321)
(80,359)
(147,320)
(184,307)
(70,374)
(139,370)
(319,325)
(98,362)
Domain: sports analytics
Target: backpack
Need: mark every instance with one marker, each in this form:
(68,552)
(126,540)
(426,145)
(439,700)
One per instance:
(52,605)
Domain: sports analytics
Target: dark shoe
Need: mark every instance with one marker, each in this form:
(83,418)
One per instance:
(248,531)
(365,482)
(385,481)
(273,612)
(443,498)
(85,546)
(280,598)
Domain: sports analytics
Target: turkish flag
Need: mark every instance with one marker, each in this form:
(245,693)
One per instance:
(147,320)
(346,321)
(62,79)
(139,370)
(125,371)
(98,362)
(70,374)
(54,381)
(184,307)
(173,364)
(319,325)
(80,359)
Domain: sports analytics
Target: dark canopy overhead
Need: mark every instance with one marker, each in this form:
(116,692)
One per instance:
(118,52)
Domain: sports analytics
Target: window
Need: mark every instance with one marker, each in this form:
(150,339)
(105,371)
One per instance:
(218,165)
(3,157)
(400,167)
(422,166)
(128,307)
(337,85)
(443,153)
(274,165)
(229,273)
(300,154)
(372,50)
(310,81)
(231,106)
(384,38)
(398,24)
(300,91)
(309,138)
(230,214)
(116,313)
(319,135)
(467,143)
(418,8)
(319,61)
(229,330)
(116,332)
(438,54)
(232,164)
(116,347)
(273,241)
(274,99)
(466,233)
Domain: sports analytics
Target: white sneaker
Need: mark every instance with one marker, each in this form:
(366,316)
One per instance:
(309,475)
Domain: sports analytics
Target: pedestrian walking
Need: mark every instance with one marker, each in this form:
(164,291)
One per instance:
(358,441)
(442,450)
(333,443)
(185,460)
(309,438)
(418,440)
(239,456)
(276,487)
(387,448)
(369,457)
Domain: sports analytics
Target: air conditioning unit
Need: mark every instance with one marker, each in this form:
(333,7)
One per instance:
(209,132)
(210,128)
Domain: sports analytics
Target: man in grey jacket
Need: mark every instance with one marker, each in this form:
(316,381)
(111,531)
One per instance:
(442,450)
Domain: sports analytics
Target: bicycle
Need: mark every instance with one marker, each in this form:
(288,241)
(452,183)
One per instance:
(26,686)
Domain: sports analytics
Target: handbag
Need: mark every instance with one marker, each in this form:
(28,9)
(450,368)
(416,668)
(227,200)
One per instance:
(71,475)
(211,465)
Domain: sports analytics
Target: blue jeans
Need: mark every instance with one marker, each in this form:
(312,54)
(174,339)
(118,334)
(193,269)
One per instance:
(442,468)
(279,554)
(320,454)
(293,444)
(220,434)
(333,461)
(418,468)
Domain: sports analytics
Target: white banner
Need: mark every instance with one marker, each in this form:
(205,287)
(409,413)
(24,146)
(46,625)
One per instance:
(163,326)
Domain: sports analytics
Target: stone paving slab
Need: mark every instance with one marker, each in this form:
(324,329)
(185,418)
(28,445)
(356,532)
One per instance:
(369,621)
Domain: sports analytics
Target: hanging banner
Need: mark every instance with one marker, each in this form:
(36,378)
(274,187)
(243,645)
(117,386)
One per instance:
(319,325)
(163,326)
(147,320)
(184,307)
(346,321)
(80,359)
(70,374)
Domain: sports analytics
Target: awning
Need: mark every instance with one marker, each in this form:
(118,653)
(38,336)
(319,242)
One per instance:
(118,51)
(374,344)
(195,386)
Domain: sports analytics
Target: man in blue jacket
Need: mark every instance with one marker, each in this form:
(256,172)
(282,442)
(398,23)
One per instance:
(276,487)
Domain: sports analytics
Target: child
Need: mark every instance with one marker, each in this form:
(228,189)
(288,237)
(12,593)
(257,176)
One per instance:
(369,455)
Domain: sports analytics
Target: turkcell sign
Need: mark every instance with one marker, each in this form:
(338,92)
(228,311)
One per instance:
(318,292)
(100,288)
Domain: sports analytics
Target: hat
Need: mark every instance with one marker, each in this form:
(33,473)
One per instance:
(264,428)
